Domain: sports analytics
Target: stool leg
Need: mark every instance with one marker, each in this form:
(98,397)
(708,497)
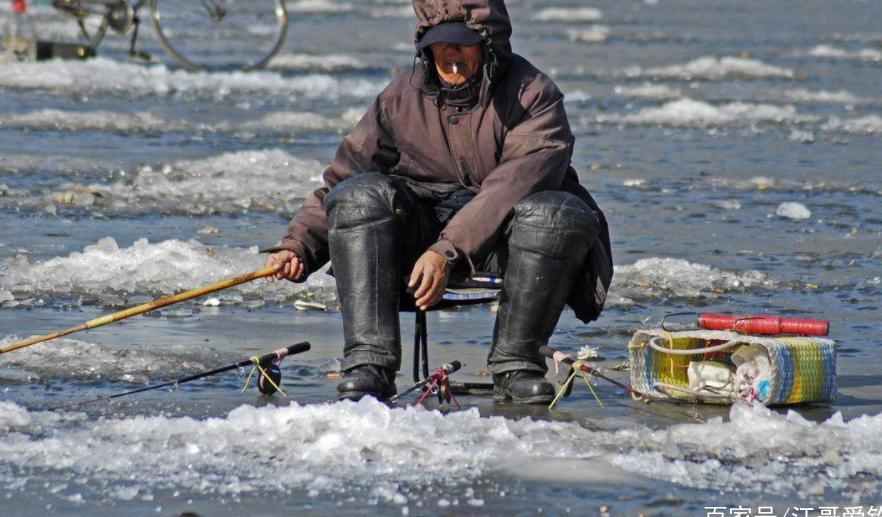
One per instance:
(424,342)
(417,333)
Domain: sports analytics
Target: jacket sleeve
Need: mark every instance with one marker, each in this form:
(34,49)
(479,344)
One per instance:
(370,147)
(535,156)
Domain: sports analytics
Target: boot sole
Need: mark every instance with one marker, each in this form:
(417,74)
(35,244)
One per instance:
(355,396)
(502,396)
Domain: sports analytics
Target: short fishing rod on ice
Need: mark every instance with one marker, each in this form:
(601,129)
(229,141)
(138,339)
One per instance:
(262,363)
(561,357)
(438,380)
(146,307)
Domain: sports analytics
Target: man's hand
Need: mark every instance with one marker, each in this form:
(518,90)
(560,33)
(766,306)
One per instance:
(428,279)
(291,266)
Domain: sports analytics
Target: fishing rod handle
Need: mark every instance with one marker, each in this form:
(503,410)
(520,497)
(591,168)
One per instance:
(282,353)
(556,355)
(451,367)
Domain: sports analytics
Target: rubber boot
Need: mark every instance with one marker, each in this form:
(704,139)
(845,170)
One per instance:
(364,241)
(548,239)
(367,380)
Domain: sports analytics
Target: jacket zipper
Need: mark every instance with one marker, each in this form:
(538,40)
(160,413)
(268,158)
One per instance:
(450,131)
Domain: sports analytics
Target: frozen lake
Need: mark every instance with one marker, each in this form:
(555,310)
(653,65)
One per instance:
(733,146)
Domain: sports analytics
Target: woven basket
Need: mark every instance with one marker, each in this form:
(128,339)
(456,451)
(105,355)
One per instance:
(803,368)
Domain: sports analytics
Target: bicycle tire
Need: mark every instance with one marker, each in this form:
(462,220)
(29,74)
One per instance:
(244,36)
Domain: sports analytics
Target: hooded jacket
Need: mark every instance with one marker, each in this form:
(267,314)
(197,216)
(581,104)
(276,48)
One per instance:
(515,142)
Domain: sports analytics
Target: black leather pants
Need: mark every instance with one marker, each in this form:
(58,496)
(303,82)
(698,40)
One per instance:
(378,228)
(540,255)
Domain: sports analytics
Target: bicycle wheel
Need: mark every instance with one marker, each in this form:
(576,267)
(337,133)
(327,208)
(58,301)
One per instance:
(220,34)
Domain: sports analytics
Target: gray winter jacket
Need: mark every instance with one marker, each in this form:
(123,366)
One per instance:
(514,143)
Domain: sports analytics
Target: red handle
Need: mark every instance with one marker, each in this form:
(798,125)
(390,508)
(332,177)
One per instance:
(764,325)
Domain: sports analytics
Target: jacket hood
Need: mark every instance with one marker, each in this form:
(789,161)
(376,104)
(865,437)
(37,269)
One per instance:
(488,17)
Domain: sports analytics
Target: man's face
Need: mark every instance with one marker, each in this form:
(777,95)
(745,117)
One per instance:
(456,63)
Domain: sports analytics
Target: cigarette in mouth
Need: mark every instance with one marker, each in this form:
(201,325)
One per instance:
(455,68)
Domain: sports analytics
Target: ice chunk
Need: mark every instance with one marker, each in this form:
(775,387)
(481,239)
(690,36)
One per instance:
(367,447)
(728,204)
(648,91)
(713,68)
(837,97)
(6,296)
(326,62)
(793,210)
(593,34)
(73,359)
(568,14)
(90,120)
(317,6)
(869,124)
(689,112)
(653,277)
(104,272)
(864,54)
(102,75)
(13,416)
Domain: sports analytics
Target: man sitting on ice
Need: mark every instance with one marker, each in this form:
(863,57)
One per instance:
(460,164)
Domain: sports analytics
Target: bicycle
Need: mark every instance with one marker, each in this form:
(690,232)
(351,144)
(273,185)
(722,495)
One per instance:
(198,34)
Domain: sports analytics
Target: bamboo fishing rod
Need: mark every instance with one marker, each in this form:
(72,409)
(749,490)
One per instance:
(263,361)
(146,307)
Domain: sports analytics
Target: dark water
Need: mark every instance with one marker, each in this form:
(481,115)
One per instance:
(734,148)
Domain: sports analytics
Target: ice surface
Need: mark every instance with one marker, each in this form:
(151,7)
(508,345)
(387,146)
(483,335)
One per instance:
(106,273)
(793,210)
(690,112)
(648,91)
(231,183)
(317,6)
(869,124)
(714,68)
(137,80)
(593,34)
(728,204)
(346,447)
(326,62)
(568,14)
(669,277)
(762,451)
(404,11)
(287,122)
(71,359)
(89,120)
(864,54)
(826,97)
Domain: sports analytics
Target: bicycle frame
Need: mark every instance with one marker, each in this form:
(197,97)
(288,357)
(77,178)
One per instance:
(121,16)
(117,15)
